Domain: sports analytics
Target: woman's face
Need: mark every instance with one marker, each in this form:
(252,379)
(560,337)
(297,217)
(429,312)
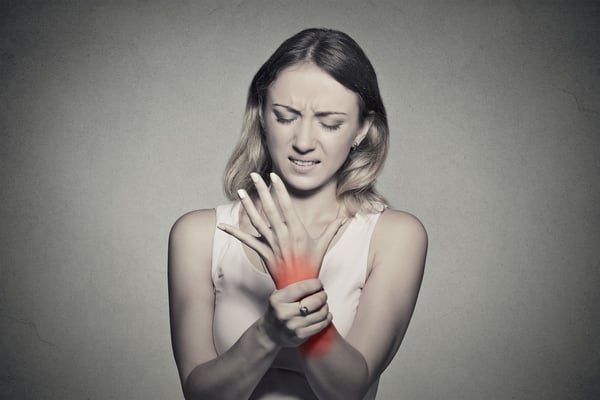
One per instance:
(311,122)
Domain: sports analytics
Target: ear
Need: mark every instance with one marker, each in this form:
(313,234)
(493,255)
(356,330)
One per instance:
(260,117)
(362,133)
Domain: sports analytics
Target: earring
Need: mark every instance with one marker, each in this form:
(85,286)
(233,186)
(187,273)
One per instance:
(354,147)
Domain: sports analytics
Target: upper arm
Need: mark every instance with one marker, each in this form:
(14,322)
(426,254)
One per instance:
(191,293)
(397,252)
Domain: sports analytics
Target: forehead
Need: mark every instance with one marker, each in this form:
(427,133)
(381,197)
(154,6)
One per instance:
(308,86)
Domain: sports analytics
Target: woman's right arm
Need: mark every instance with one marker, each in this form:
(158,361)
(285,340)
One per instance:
(235,373)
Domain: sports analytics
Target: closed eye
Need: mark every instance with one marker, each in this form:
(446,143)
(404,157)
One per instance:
(285,121)
(333,127)
(282,120)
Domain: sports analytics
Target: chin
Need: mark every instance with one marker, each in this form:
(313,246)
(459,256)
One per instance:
(303,184)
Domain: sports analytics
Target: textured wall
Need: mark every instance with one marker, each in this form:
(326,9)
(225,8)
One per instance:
(117,117)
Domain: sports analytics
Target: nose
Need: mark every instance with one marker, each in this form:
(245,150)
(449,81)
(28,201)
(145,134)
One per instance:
(304,140)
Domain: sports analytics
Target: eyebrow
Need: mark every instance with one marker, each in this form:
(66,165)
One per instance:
(317,114)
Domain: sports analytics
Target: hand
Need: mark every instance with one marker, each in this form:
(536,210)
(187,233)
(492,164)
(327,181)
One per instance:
(284,245)
(286,324)
(290,255)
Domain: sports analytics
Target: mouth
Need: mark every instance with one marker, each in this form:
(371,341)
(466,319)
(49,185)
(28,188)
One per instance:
(303,163)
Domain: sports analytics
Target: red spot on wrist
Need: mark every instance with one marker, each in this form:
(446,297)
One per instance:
(298,270)
(320,343)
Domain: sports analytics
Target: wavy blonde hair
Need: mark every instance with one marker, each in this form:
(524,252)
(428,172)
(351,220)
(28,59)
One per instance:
(341,57)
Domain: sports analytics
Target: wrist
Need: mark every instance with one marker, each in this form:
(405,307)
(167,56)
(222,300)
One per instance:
(319,344)
(265,335)
(295,270)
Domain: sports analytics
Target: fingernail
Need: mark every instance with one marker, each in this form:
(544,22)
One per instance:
(274,177)
(255,177)
(221,227)
(242,194)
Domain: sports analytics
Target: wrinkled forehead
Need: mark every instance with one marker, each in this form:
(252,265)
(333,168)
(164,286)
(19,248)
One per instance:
(307,86)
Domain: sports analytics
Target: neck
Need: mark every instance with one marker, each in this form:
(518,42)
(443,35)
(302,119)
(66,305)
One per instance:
(316,207)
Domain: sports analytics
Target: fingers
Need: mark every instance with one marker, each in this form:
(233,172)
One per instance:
(298,290)
(305,307)
(305,311)
(285,203)
(291,325)
(293,317)
(308,331)
(249,240)
(312,303)
(288,302)
(316,317)
(269,207)
(255,218)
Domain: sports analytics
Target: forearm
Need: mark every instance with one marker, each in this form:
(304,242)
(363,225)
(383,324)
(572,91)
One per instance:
(338,372)
(234,374)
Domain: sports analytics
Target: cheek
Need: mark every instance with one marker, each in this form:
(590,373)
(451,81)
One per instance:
(341,143)
(278,133)
(274,140)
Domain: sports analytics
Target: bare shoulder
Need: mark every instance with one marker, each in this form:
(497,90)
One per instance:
(395,225)
(398,237)
(190,242)
(196,226)
(189,260)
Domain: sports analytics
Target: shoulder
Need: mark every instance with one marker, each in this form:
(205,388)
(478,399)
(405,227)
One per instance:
(190,253)
(194,226)
(397,224)
(399,235)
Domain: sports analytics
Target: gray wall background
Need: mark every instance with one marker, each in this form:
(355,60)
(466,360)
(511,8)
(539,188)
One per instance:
(118,117)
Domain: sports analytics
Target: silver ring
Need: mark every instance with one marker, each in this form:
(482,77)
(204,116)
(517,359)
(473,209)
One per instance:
(303,309)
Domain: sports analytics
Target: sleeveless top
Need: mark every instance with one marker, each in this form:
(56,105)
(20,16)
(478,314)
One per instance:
(242,291)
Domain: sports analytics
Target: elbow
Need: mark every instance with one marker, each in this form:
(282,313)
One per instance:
(195,393)
(364,383)
(357,385)
(193,390)
(360,382)
(189,391)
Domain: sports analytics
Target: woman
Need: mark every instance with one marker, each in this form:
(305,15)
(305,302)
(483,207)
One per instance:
(307,287)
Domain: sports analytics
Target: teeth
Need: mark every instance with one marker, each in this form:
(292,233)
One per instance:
(304,163)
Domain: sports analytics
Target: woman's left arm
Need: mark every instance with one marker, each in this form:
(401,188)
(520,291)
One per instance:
(397,257)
